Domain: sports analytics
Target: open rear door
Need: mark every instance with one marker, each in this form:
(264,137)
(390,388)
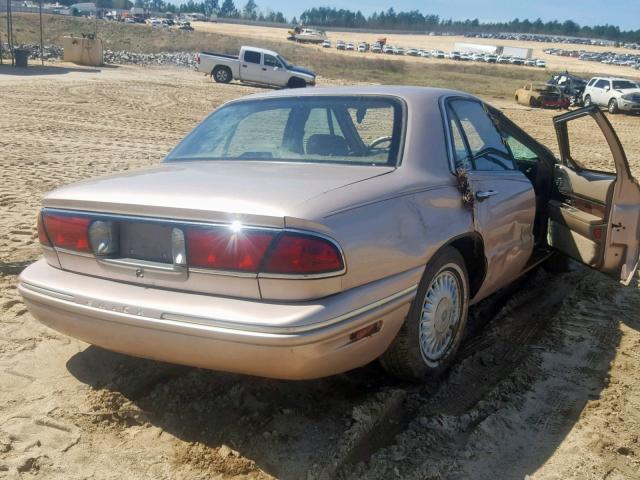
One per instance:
(595,216)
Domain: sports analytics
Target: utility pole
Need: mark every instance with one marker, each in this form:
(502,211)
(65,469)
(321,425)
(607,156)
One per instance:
(41,40)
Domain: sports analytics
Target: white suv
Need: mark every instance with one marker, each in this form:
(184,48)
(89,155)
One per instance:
(617,94)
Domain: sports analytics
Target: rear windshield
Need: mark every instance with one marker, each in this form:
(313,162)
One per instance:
(319,129)
(622,84)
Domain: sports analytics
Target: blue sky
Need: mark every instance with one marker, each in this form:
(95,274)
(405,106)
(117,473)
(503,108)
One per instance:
(624,13)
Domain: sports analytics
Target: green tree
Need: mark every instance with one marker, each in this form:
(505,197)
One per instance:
(250,10)
(228,9)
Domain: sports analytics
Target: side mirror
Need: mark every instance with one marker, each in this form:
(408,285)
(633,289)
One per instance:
(607,88)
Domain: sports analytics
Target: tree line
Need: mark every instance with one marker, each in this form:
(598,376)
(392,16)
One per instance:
(387,19)
(416,20)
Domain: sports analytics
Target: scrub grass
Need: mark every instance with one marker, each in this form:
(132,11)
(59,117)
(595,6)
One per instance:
(487,80)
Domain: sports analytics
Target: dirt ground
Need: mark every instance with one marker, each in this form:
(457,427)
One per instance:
(445,43)
(547,387)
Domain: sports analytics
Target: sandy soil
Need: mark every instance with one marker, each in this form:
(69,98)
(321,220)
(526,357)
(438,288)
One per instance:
(446,44)
(548,384)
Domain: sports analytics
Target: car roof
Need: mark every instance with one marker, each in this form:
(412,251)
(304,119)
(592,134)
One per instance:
(409,94)
(615,78)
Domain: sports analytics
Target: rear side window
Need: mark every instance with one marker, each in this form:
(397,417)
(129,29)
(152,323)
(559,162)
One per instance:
(252,57)
(484,146)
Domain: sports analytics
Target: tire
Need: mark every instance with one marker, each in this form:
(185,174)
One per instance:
(613,106)
(411,356)
(516,98)
(533,102)
(222,74)
(295,82)
(587,101)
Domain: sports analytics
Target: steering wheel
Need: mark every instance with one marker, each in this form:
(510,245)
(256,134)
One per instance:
(378,141)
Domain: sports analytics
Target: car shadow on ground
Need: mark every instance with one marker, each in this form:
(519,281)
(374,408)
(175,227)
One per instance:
(37,70)
(340,427)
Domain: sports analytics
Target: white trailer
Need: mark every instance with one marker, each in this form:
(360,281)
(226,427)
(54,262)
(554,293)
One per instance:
(474,48)
(517,52)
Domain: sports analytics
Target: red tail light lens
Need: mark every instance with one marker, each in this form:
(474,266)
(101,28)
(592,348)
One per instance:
(296,253)
(68,231)
(224,249)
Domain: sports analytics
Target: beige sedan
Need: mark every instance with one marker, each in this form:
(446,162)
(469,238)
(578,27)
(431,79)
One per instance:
(300,234)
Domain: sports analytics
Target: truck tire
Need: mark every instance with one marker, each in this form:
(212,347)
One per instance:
(613,106)
(295,82)
(428,341)
(222,74)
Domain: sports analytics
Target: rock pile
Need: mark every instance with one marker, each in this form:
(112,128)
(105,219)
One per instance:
(179,59)
(54,52)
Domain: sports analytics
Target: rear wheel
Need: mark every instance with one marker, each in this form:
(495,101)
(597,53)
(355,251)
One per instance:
(587,101)
(426,344)
(613,106)
(533,102)
(222,74)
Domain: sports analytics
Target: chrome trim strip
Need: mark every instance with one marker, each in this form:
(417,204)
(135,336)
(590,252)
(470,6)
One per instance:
(225,273)
(74,252)
(144,264)
(179,223)
(176,317)
(48,291)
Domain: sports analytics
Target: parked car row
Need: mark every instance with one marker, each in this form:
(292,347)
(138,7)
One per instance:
(435,53)
(534,37)
(607,58)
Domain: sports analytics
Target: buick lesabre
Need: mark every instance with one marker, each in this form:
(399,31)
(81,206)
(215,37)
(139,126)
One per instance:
(299,234)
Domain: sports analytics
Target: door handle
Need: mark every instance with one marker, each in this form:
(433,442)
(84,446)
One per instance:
(244,66)
(484,194)
(264,69)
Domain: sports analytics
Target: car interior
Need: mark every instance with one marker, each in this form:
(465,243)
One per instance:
(571,199)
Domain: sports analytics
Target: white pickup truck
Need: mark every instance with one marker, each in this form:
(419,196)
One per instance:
(254,65)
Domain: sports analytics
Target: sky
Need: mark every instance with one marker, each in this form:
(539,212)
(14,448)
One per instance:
(623,13)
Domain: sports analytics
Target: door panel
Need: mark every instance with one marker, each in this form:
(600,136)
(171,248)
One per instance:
(251,67)
(597,219)
(505,220)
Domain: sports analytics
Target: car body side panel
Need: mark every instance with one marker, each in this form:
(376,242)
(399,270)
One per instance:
(398,234)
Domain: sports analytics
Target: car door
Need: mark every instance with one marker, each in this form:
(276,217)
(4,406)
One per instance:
(251,66)
(503,199)
(275,73)
(596,215)
(599,92)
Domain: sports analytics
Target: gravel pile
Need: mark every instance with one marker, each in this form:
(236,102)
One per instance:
(179,59)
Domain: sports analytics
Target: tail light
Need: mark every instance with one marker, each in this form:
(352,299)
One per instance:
(67,231)
(226,249)
(198,59)
(297,253)
(233,248)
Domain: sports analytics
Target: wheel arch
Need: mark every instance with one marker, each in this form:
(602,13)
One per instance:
(471,247)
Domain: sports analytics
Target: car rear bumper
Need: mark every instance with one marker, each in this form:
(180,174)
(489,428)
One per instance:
(300,340)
